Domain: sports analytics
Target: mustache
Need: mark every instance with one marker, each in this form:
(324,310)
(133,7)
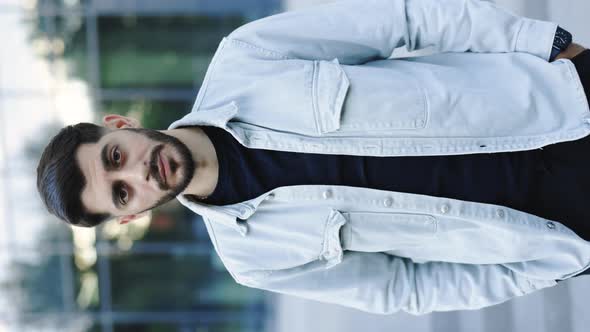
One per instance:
(154,169)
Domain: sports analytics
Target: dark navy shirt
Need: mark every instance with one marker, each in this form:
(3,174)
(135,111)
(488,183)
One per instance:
(497,178)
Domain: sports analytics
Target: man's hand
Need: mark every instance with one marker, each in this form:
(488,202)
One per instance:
(571,51)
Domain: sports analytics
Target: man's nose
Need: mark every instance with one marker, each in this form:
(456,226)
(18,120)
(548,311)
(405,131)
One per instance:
(137,173)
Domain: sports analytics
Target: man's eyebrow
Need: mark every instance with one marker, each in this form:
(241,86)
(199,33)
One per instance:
(105,159)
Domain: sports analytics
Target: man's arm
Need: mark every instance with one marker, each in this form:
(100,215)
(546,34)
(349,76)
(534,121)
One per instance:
(357,31)
(384,284)
(571,51)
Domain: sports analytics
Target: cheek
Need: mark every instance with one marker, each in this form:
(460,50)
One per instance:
(145,199)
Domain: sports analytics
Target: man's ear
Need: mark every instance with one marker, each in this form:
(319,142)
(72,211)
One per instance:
(125,219)
(116,121)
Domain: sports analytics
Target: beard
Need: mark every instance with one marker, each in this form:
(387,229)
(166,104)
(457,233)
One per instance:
(186,161)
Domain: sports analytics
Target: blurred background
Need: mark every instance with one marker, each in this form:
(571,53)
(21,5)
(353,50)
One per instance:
(67,61)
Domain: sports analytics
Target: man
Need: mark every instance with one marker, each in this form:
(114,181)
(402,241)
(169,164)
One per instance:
(304,148)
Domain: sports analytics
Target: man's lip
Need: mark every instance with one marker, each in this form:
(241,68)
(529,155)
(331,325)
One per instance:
(166,164)
(162,168)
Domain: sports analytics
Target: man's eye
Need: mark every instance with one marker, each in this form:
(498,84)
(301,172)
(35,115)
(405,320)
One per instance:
(116,156)
(123,196)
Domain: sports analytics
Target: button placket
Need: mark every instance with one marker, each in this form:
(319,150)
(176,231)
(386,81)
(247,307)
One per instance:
(388,201)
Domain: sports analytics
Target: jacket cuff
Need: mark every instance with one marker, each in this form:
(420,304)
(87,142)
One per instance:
(536,37)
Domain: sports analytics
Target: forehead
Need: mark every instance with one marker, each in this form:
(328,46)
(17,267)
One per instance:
(95,189)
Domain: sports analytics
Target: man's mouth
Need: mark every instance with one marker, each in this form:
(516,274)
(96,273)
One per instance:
(162,168)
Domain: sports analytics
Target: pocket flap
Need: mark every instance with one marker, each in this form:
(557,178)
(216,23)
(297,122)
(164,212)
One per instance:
(332,246)
(329,91)
(383,231)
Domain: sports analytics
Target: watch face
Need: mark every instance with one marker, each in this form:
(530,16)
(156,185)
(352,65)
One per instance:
(562,38)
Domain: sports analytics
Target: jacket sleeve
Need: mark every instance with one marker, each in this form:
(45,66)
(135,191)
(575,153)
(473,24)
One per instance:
(357,31)
(383,284)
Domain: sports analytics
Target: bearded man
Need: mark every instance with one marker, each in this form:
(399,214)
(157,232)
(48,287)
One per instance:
(323,168)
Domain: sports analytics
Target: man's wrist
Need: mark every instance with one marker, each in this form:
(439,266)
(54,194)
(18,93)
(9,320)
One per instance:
(561,41)
(571,51)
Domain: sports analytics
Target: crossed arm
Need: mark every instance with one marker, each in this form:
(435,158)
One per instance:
(384,284)
(357,31)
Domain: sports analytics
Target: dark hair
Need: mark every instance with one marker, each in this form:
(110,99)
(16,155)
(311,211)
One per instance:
(60,180)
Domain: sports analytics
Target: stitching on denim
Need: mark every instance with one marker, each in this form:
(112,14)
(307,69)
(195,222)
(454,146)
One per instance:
(218,249)
(518,33)
(207,78)
(260,49)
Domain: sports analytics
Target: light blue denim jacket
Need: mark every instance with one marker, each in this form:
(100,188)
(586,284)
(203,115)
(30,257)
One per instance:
(322,80)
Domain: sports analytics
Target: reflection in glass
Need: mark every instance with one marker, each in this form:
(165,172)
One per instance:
(149,282)
(70,64)
(159,51)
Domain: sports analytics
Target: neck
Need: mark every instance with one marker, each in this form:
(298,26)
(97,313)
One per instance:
(204,180)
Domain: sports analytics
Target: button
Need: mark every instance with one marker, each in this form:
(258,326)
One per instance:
(327,194)
(500,213)
(445,208)
(550,225)
(388,201)
(269,196)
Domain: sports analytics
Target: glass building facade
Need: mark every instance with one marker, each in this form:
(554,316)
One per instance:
(84,59)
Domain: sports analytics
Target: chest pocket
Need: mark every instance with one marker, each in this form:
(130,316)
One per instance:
(380,98)
(315,97)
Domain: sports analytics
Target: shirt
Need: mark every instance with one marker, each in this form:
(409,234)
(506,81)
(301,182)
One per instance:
(497,178)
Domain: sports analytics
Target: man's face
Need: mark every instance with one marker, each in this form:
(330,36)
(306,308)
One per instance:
(132,170)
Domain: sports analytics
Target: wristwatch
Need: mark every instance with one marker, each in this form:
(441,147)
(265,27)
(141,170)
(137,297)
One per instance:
(561,41)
